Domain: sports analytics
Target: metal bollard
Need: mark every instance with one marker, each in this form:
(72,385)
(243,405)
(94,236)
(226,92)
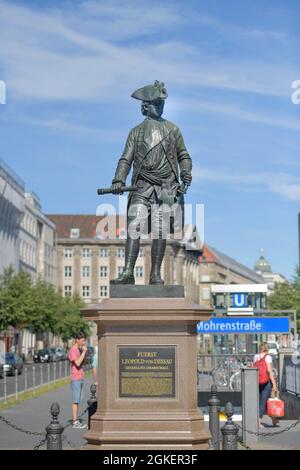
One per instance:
(54,430)
(229,430)
(214,422)
(92,402)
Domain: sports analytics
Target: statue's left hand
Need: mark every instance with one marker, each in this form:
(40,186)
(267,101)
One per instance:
(186,178)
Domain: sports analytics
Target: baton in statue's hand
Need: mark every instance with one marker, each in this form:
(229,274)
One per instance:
(111,190)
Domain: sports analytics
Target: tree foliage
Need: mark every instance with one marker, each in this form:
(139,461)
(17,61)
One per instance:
(287,296)
(38,307)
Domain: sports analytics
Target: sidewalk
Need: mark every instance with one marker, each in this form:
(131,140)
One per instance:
(289,440)
(34,415)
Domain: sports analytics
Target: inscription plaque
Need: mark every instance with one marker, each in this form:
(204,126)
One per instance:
(147,372)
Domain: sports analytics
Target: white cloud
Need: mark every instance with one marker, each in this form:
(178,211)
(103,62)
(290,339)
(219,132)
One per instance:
(283,184)
(61,54)
(233,31)
(64,124)
(236,112)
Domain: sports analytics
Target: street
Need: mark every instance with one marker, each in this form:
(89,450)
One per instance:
(34,415)
(34,375)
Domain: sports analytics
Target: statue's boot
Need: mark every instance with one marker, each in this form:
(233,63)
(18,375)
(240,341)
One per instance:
(131,254)
(157,255)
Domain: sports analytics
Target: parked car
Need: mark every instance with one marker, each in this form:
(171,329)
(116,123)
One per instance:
(61,353)
(1,371)
(13,363)
(55,354)
(43,355)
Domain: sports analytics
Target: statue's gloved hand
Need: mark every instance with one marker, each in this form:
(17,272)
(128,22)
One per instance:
(116,187)
(186,178)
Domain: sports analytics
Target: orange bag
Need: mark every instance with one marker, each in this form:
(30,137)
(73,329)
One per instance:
(275,408)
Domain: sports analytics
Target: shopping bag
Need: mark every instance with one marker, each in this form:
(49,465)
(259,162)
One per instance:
(275,407)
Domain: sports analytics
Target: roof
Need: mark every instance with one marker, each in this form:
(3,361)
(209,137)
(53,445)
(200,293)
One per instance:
(89,226)
(211,255)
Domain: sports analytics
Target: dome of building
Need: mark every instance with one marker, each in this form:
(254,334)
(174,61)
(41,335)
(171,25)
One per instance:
(262,265)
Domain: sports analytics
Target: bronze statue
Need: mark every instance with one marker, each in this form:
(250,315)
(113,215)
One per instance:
(160,160)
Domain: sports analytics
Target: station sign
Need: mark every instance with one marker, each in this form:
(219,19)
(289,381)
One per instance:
(241,325)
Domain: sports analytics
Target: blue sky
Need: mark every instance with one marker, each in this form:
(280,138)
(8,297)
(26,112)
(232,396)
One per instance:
(71,66)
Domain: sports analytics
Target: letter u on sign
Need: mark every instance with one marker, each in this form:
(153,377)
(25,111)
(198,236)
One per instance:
(239,300)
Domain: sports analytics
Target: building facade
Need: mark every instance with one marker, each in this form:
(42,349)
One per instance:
(218,268)
(37,242)
(87,261)
(12,202)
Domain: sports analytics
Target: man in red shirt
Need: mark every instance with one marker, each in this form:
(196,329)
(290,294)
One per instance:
(77,356)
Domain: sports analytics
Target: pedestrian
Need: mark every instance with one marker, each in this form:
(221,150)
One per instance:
(95,367)
(77,356)
(267,382)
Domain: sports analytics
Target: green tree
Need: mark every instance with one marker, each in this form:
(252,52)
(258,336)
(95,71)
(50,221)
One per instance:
(15,299)
(287,296)
(38,307)
(45,303)
(70,319)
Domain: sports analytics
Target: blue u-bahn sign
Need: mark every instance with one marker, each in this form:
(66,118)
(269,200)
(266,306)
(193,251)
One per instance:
(239,300)
(237,325)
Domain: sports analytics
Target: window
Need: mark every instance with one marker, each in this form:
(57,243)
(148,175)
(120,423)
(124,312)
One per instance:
(141,253)
(68,291)
(103,291)
(121,252)
(120,269)
(68,252)
(85,291)
(68,271)
(103,252)
(85,271)
(103,271)
(30,256)
(205,293)
(139,271)
(74,233)
(86,252)
(21,250)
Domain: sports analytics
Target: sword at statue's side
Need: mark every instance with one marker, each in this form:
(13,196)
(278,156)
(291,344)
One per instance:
(122,189)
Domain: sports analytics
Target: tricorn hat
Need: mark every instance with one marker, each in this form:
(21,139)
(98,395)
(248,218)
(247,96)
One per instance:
(151,92)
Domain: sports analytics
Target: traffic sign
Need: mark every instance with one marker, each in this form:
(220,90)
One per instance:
(254,325)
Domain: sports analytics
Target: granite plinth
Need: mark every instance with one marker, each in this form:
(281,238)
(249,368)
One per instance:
(147,375)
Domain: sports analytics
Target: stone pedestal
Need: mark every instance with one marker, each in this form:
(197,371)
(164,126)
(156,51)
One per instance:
(147,375)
